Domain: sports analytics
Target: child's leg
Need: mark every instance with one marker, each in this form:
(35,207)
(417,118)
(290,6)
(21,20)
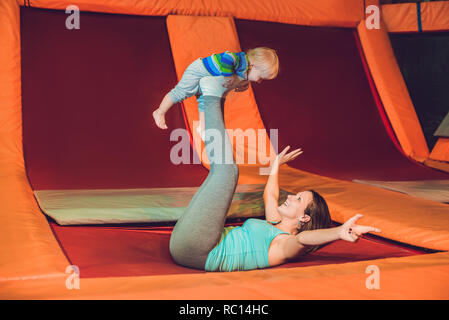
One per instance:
(198,230)
(186,87)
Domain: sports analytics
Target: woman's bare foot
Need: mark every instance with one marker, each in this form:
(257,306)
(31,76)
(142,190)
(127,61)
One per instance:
(159,118)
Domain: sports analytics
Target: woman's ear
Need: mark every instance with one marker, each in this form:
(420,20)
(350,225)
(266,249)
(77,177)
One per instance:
(304,219)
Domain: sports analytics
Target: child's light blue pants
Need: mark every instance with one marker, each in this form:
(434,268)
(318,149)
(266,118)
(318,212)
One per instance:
(189,84)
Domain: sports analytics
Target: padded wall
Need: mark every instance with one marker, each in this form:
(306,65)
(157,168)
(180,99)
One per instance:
(88,98)
(322,101)
(27,246)
(403,17)
(422,58)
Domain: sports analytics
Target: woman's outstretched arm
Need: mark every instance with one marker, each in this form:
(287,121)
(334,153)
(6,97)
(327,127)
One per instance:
(348,231)
(271,192)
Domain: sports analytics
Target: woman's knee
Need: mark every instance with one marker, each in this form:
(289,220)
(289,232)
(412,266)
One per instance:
(233,170)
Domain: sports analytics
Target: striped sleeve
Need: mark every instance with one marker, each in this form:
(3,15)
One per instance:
(226,64)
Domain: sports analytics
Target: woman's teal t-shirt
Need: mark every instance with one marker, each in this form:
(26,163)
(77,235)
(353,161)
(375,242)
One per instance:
(243,248)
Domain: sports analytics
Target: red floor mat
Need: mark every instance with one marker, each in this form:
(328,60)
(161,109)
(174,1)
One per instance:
(120,251)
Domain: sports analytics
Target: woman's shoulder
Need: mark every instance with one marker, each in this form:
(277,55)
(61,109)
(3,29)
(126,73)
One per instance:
(276,254)
(259,220)
(265,224)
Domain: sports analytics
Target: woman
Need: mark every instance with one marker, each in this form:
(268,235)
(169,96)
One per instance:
(299,226)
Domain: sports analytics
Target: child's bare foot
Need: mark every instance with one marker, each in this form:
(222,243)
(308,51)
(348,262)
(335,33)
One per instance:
(159,118)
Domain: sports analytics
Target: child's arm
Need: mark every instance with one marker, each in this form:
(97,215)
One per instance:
(166,104)
(159,113)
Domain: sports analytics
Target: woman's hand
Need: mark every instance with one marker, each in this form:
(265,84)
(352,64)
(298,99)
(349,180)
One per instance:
(285,157)
(351,232)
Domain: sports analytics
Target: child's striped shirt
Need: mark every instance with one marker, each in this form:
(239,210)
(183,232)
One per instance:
(226,64)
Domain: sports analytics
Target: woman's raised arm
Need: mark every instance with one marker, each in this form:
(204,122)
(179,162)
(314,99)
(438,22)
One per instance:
(271,192)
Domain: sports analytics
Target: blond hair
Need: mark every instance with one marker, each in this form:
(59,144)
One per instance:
(266,60)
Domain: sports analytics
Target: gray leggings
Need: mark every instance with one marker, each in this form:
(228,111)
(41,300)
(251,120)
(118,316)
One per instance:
(198,230)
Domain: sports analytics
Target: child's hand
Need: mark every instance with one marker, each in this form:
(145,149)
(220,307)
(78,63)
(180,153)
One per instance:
(234,82)
(242,87)
(229,82)
(159,118)
(351,232)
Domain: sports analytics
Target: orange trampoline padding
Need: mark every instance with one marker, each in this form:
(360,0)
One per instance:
(403,17)
(144,251)
(308,12)
(440,151)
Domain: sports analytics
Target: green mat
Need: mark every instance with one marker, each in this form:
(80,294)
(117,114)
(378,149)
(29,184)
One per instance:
(443,129)
(106,206)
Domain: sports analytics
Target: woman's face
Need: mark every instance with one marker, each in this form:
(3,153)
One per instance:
(295,205)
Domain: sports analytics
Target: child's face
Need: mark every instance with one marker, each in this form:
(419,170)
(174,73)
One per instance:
(254,74)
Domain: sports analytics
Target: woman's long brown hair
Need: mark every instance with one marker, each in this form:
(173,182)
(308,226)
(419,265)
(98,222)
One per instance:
(319,217)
